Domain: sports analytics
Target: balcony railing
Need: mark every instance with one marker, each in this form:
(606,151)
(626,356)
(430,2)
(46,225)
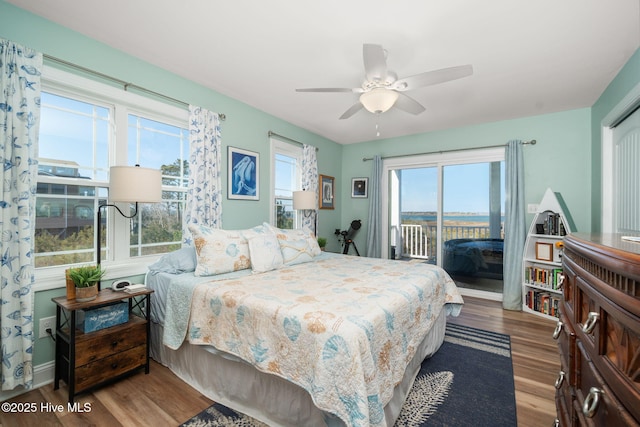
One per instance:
(419,241)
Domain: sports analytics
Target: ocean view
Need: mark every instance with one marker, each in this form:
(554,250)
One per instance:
(455,216)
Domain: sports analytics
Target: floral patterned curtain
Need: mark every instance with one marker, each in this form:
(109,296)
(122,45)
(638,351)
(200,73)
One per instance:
(204,194)
(20,70)
(310,181)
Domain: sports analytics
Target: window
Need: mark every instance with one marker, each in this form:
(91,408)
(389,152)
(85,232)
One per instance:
(625,176)
(620,128)
(158,227)
(436,198)
(286,161)
(85,128)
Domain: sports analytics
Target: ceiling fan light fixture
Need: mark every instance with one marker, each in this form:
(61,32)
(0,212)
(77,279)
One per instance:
(379,100)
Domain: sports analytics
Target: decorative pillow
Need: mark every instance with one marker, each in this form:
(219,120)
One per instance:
(180,261)
(297,246)
(219,251)
(263,248)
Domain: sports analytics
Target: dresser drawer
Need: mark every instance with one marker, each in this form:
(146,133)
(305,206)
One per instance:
(592,392)
(110,367)
(568,291)
(566,337)
(564,398)
(618,360)
(100,344)
(587,315)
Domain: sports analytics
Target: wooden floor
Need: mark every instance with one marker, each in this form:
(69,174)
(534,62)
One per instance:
(161,399)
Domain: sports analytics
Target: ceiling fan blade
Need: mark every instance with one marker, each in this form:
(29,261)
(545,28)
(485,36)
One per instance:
(352,110)
(375,63)
(408,104)
(331,89)
(433,77)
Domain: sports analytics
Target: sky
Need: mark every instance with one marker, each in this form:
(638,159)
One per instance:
(70,130)
(466,188)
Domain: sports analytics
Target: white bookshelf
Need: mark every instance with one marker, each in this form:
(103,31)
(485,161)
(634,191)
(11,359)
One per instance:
(542,258)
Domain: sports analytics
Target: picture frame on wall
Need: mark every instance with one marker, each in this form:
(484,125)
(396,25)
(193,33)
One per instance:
(243,174)
(359,188)
(327,192)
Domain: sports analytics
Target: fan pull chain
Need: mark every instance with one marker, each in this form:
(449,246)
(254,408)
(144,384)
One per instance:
(377,130)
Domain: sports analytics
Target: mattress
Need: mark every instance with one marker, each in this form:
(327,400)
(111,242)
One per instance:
(345,333)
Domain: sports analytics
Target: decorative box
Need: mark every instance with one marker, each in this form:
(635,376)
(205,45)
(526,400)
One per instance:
(96,318)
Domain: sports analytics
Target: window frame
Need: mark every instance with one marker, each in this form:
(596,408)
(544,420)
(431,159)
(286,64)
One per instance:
(291,150)
(617,114)
(123,103)
(438,161)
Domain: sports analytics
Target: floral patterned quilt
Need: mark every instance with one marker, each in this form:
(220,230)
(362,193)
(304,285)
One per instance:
(343,328)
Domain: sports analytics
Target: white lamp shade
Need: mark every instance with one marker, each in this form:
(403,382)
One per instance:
(135,184)
(379,100)
(304,200)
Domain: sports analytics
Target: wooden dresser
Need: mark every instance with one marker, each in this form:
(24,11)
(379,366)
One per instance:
(598,332)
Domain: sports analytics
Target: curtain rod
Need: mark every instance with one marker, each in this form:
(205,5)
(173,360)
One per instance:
(271,133)
(532,142)
(125,85)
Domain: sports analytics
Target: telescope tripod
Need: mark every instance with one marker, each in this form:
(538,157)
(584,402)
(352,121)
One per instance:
(347,244)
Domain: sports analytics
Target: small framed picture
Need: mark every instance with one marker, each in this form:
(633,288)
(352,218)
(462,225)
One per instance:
(244,173)
(544,251)
(359,187)
(327,192)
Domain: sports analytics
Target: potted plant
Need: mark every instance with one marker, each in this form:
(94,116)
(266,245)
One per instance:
(86,280)
(322,242)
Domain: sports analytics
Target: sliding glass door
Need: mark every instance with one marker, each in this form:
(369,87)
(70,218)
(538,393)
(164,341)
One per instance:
(447,209)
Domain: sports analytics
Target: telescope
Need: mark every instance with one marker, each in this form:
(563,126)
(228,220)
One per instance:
(348,235)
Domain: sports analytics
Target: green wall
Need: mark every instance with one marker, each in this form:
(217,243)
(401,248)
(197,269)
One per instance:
(561,159)
(245,126)
(623,83)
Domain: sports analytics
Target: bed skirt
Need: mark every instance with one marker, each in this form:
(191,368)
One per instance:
(267,397)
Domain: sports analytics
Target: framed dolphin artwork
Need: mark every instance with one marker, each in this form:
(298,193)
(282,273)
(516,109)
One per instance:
(244,174)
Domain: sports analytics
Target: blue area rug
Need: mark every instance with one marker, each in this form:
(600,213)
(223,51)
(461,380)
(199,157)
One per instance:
(468,382)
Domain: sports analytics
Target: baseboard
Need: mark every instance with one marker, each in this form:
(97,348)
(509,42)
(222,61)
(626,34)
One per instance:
(492,296)
(42,375)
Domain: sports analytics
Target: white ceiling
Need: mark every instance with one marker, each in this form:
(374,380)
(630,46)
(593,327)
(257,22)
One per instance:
(529,57)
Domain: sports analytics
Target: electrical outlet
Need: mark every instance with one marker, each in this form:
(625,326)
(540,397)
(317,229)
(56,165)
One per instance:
(532,208)
(46,323)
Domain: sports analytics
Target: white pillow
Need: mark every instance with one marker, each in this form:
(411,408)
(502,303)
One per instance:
(263,248)
(219,251)
(297,246)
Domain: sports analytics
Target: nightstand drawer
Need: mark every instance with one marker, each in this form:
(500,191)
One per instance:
(110,367)
(103,343)
(87,360)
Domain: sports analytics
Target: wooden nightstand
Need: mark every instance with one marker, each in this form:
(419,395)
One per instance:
(87,360)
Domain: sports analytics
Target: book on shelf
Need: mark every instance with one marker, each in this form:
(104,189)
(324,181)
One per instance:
(542,302)
(543,277)
(552,225)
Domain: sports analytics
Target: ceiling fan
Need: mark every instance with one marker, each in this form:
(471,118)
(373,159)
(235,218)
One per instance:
(382,89)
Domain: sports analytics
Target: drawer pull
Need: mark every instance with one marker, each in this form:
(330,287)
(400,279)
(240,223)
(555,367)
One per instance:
(114,365)
(592,319)
(560,281)
(556,423)
(114,343)
(560,379)
(556,332)
(591,402)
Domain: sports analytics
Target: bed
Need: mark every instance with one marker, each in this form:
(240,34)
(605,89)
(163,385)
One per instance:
(474,257)
(320,339)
